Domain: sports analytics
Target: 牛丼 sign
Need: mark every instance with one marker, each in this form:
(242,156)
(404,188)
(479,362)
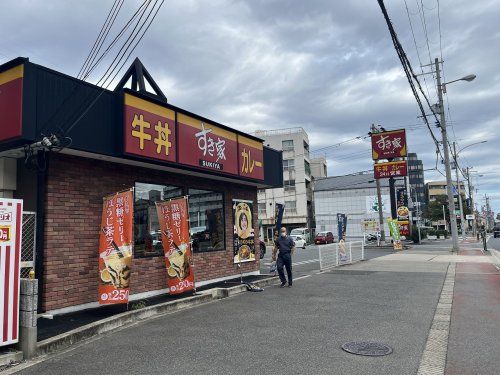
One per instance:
(390,169)
(389,145)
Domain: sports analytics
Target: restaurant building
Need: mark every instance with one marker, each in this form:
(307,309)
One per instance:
(65,144)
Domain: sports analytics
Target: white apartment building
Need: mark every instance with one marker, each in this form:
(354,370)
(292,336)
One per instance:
(296,193)
(354,195)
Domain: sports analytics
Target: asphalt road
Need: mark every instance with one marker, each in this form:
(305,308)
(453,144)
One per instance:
(305,261)
(296,330)
(494,243)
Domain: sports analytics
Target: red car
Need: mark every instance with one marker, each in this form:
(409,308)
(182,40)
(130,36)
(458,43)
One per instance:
(324,238)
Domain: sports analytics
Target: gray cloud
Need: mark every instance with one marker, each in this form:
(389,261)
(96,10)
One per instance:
(327,66)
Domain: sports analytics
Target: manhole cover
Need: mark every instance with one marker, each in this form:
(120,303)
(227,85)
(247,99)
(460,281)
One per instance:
(373,349)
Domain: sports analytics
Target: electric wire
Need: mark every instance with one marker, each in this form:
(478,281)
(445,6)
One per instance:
(103,34)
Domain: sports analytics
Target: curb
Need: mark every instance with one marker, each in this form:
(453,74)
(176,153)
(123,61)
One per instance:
(67,339)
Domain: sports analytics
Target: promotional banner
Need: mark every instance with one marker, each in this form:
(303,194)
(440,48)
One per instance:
(115,247)
(279,209)
(11,214)
(341,226)
(394,229)
(244,239)
(389,145)
(173,217)
(403,212)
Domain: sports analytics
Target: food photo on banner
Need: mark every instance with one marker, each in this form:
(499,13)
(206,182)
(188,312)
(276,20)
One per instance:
(244,242)
(173,217)
(115,248)
(403,212)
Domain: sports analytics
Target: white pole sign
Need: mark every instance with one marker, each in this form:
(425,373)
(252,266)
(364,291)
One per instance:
(11,214)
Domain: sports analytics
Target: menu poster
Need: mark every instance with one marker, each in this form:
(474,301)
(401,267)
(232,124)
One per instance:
(244,236)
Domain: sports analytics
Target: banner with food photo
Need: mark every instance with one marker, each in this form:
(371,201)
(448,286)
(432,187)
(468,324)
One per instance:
(173,217)
(115,248)
(244,236)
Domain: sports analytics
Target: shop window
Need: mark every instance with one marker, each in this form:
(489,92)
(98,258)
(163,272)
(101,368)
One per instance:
(147,237)
(206,216)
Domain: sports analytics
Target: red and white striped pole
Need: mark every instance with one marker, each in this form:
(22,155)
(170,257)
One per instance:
(11,213)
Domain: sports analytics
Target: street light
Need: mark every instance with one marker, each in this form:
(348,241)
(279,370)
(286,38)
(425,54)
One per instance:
(472,144)
(451,203)
(468,78)
(460,204)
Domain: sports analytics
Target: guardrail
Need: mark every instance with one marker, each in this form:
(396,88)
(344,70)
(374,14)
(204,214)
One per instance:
(338,254)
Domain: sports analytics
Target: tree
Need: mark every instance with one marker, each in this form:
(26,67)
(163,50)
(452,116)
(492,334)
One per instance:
(434,211)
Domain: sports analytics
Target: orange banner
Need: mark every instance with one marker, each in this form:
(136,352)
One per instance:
(115,248)
(174,225)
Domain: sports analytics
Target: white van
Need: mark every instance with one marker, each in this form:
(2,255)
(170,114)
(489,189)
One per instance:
(303,232)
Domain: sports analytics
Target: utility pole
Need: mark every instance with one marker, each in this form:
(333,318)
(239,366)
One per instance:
(379,198)
(459,192)
(471,196)
(451,202)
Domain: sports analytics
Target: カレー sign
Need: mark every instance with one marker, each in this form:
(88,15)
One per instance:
(390,169)
(174,225)
(389,145)
(244,236)
(115,248)
(11,213)
(251,158)
(149,129)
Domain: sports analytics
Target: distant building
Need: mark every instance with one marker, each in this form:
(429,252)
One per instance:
(417,184)
(354,195)
(296,192)
(435,188)
(318,167)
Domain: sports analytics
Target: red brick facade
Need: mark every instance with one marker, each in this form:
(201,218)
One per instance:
(73,208)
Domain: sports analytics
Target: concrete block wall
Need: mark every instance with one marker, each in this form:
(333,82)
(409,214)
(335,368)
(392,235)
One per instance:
(73,207)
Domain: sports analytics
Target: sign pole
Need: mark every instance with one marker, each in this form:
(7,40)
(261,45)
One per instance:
(392,192)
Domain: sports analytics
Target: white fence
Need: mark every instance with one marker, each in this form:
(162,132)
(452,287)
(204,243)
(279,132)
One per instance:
(336,254)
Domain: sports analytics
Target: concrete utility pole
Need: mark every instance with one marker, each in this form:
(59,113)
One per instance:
(459,192)
(379,198)
(451,202)
(471,196)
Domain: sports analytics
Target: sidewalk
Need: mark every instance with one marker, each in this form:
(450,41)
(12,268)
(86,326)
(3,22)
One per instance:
(475,320)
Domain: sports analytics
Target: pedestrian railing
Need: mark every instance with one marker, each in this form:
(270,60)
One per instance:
(338,254)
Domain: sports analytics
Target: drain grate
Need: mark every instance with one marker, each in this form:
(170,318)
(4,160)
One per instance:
(372,349)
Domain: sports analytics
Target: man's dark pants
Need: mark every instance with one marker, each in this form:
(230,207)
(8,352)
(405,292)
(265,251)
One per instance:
(285,260)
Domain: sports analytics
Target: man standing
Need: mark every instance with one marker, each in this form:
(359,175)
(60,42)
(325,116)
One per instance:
(285,246)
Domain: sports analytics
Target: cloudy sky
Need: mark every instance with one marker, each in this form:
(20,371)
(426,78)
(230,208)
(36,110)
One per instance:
(327,66)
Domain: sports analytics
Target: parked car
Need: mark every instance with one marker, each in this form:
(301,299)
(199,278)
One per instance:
(299,241)
(302,232)
(496,231)
(324,238)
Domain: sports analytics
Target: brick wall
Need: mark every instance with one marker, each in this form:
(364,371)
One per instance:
(75,188)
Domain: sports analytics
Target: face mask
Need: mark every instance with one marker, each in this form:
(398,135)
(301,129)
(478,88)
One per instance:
(283,234)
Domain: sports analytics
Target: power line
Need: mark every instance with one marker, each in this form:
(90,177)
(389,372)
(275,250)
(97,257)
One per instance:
(409,72)
(103,33)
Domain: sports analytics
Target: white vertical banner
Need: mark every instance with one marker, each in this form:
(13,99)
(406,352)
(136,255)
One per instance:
(11,214)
